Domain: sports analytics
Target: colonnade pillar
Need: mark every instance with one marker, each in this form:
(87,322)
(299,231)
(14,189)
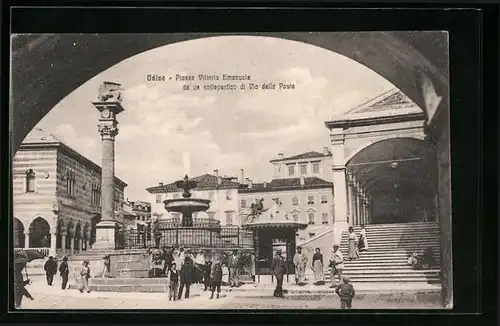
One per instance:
(26,240)
(339,183)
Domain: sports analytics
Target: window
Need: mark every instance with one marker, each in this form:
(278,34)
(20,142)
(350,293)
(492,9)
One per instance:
(315,168)
(324,218)
(243,203)
(310,200)
(70,183)
(324,199)
(158,199)
(175,195)
(96,195)
(311,217)
(211,195)
(228,195)
(295,200)
(30,181)
(311,235)
(302,239)
(303,169)
(291,170)
(295,217)
(229,218)
(211,215)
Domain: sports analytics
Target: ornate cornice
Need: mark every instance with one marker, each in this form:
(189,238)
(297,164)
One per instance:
(107,131)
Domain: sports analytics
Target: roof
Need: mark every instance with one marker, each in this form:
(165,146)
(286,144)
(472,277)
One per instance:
(203,182)
(38,137)
(388,106)
(286,184)
(302,156)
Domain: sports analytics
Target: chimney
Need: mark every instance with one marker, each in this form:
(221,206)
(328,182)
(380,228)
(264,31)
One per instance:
(216,172)
(326,150)
(302,180)
(242,176)
(280,156)
(265,184)
(250,184)
(160,183)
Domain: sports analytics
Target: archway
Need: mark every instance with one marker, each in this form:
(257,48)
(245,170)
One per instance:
(393,181)
(39,231)
(96,219)
(18,233)
(399,57)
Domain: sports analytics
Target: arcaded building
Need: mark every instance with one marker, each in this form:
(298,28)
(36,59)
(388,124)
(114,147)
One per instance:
(57,196)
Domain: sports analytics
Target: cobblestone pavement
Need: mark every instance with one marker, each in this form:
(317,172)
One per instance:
(55,298)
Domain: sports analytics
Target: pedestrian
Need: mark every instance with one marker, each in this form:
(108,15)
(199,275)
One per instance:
(173,274)
(318,267)
(234,269)
(363,242)
(50,268)
(207,271)
(278,267)
(252,267)
(84,277)
(168,258)
(64,272)
(300,262)
(216,279)
(352,252)
(346,293)
(336,264)
(20,285)
(187,271)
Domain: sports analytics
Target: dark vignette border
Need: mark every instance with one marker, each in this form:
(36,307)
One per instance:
(467,95)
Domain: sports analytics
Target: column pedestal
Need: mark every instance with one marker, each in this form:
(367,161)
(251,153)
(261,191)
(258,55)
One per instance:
(105,235)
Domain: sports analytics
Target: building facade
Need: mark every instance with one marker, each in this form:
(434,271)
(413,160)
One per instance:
(309,164)
(57,196)
(305,199)
(221,191)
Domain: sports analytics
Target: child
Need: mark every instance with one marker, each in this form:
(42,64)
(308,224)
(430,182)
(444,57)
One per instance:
(346,292)
(174,282)
(216,279)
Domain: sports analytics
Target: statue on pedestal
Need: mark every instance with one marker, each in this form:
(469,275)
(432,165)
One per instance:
(111,92)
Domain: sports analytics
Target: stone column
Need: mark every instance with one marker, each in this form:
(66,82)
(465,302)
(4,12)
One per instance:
(352,211)
(358,204)
(26,240)
(72,244)
(63,242)
(109,105)
(53,242)
(339,182)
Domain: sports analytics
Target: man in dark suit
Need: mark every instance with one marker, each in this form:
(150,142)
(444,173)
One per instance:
(279,269)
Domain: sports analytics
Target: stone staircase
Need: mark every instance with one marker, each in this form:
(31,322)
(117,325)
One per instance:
(389,248)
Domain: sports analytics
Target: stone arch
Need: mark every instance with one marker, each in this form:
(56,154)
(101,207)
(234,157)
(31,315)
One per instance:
(380,139)
(18,235)
(396,56)
(39,233)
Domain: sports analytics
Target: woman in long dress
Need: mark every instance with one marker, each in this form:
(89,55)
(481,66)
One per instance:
(352,252)
(363,242)
(318,267)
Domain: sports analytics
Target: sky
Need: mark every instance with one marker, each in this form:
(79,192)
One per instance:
(166,131)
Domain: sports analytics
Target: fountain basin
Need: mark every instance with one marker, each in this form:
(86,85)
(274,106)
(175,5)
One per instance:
(183,205)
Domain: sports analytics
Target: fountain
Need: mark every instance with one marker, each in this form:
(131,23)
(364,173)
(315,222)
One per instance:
(186,205)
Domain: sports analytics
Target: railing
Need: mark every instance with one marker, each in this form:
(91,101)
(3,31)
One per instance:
(197,223)
(44,251)
(193,237)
